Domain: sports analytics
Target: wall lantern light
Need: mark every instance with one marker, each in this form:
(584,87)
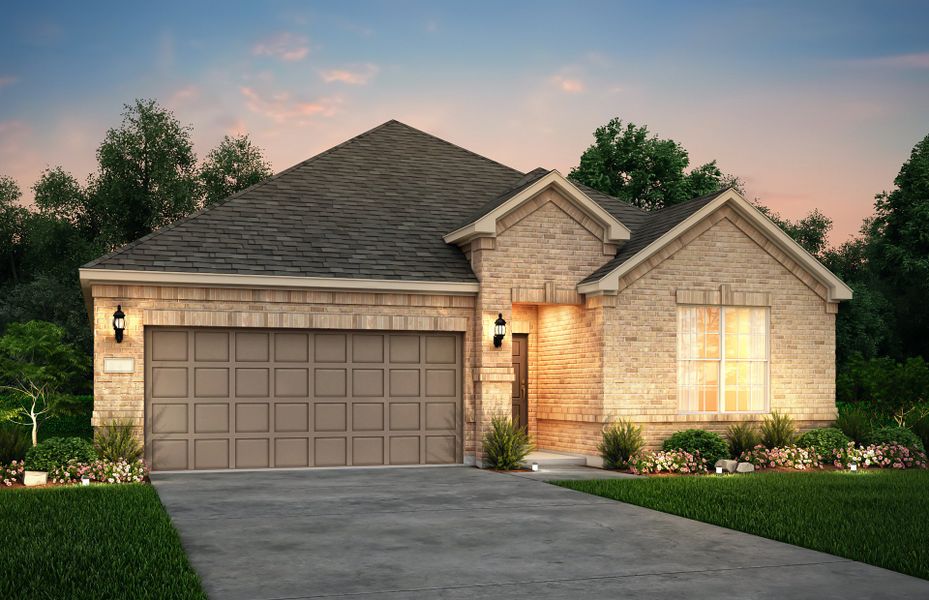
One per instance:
(499,330)
(119,323)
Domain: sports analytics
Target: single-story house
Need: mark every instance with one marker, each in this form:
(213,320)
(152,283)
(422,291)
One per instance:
(349,311)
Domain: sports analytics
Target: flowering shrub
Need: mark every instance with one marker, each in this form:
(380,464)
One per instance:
(104,471)
(880,456)
(671,461)
(10,474)
(790,457)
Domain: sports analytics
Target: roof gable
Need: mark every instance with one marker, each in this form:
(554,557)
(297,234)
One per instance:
(483,222)
(668,224)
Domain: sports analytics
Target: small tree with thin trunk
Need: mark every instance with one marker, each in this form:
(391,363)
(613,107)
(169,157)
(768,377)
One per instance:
(37,369)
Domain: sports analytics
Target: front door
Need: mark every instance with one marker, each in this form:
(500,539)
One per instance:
(521,379)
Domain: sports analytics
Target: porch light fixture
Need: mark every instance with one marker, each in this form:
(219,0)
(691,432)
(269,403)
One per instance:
(119,323)
(499,330)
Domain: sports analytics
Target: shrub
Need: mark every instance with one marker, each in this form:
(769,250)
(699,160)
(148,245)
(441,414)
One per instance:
(621,440)
(117,441)
(896,435)
(72,420)
(884,386)
(778,431)
(711,446)
(825,441)
(14,442)
(741,437)
(855,422)
(103,471)
(880,456)
(55,452)
(671,461)
(790,457)
(921,429)
(11,473)
(506,445)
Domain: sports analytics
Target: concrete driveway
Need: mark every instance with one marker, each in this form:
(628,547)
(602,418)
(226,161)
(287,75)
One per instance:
(458,532)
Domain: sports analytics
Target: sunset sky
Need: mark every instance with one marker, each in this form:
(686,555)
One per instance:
(813,104)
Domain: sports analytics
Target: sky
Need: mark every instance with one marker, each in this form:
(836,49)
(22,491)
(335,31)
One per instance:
(813,104)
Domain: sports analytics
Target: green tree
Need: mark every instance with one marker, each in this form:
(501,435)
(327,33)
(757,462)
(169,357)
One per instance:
(232,166)
(11,226)
(627,162)
(35,365)
(811,232)
(899,252)
(148,173)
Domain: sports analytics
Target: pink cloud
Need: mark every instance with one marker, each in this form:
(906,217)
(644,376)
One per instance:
(352,76)
(184,95)
(917,60)
(285,46)
(568,85)
(7,80)
(283,107)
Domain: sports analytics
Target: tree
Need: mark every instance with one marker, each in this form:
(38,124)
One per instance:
(628,163)
(899,252)
(147,175)
(232,166)
(811,232)
(11,226)
(35,364)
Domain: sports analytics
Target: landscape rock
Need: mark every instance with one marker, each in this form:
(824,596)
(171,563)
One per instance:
(31,478)
(745,467)
(728,466)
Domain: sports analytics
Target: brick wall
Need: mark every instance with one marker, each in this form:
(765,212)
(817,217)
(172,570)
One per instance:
(641,330)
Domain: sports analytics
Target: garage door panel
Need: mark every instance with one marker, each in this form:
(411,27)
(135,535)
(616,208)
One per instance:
(169,418)
(219,398)
(211,382)
(367,382)
(330,348)
(291,452)
(170,455)
(211,346)
(368,416)
(291,417)
(252,453)
(440,449)
(252,418)
(404,450)
(169,382)
(330,383)
(211,454)
(291,347)
(252,383)
(211,418)
(441,382)
(330,452)
(367,451)
(330,416)
(252,346)
(291,383)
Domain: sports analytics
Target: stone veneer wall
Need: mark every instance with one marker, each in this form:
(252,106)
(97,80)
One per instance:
(641,329)
(122,395)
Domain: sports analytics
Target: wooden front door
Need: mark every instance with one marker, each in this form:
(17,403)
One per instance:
(521,379)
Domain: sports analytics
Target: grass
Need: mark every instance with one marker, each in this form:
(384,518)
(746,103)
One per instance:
(91,542)
(877,517)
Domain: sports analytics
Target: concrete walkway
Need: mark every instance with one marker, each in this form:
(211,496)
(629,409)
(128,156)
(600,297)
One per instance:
(462,533)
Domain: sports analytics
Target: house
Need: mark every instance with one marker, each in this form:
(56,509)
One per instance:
(344,313)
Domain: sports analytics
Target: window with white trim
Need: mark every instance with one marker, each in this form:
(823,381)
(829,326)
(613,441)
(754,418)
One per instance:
(722,359)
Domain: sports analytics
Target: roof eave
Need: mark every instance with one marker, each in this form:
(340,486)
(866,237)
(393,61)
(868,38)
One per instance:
(837,290)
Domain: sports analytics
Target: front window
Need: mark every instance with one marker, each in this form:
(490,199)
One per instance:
(722,359)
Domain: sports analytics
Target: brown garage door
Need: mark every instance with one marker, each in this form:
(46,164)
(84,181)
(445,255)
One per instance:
(245,398)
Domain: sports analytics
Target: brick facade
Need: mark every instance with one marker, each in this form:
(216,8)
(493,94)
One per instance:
(590,359)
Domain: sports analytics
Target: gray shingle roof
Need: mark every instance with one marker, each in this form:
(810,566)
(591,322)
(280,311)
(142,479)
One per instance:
(655,225)
(374,207)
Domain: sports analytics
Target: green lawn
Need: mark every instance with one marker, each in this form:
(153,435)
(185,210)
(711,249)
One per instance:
(877,517)
(91,542)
